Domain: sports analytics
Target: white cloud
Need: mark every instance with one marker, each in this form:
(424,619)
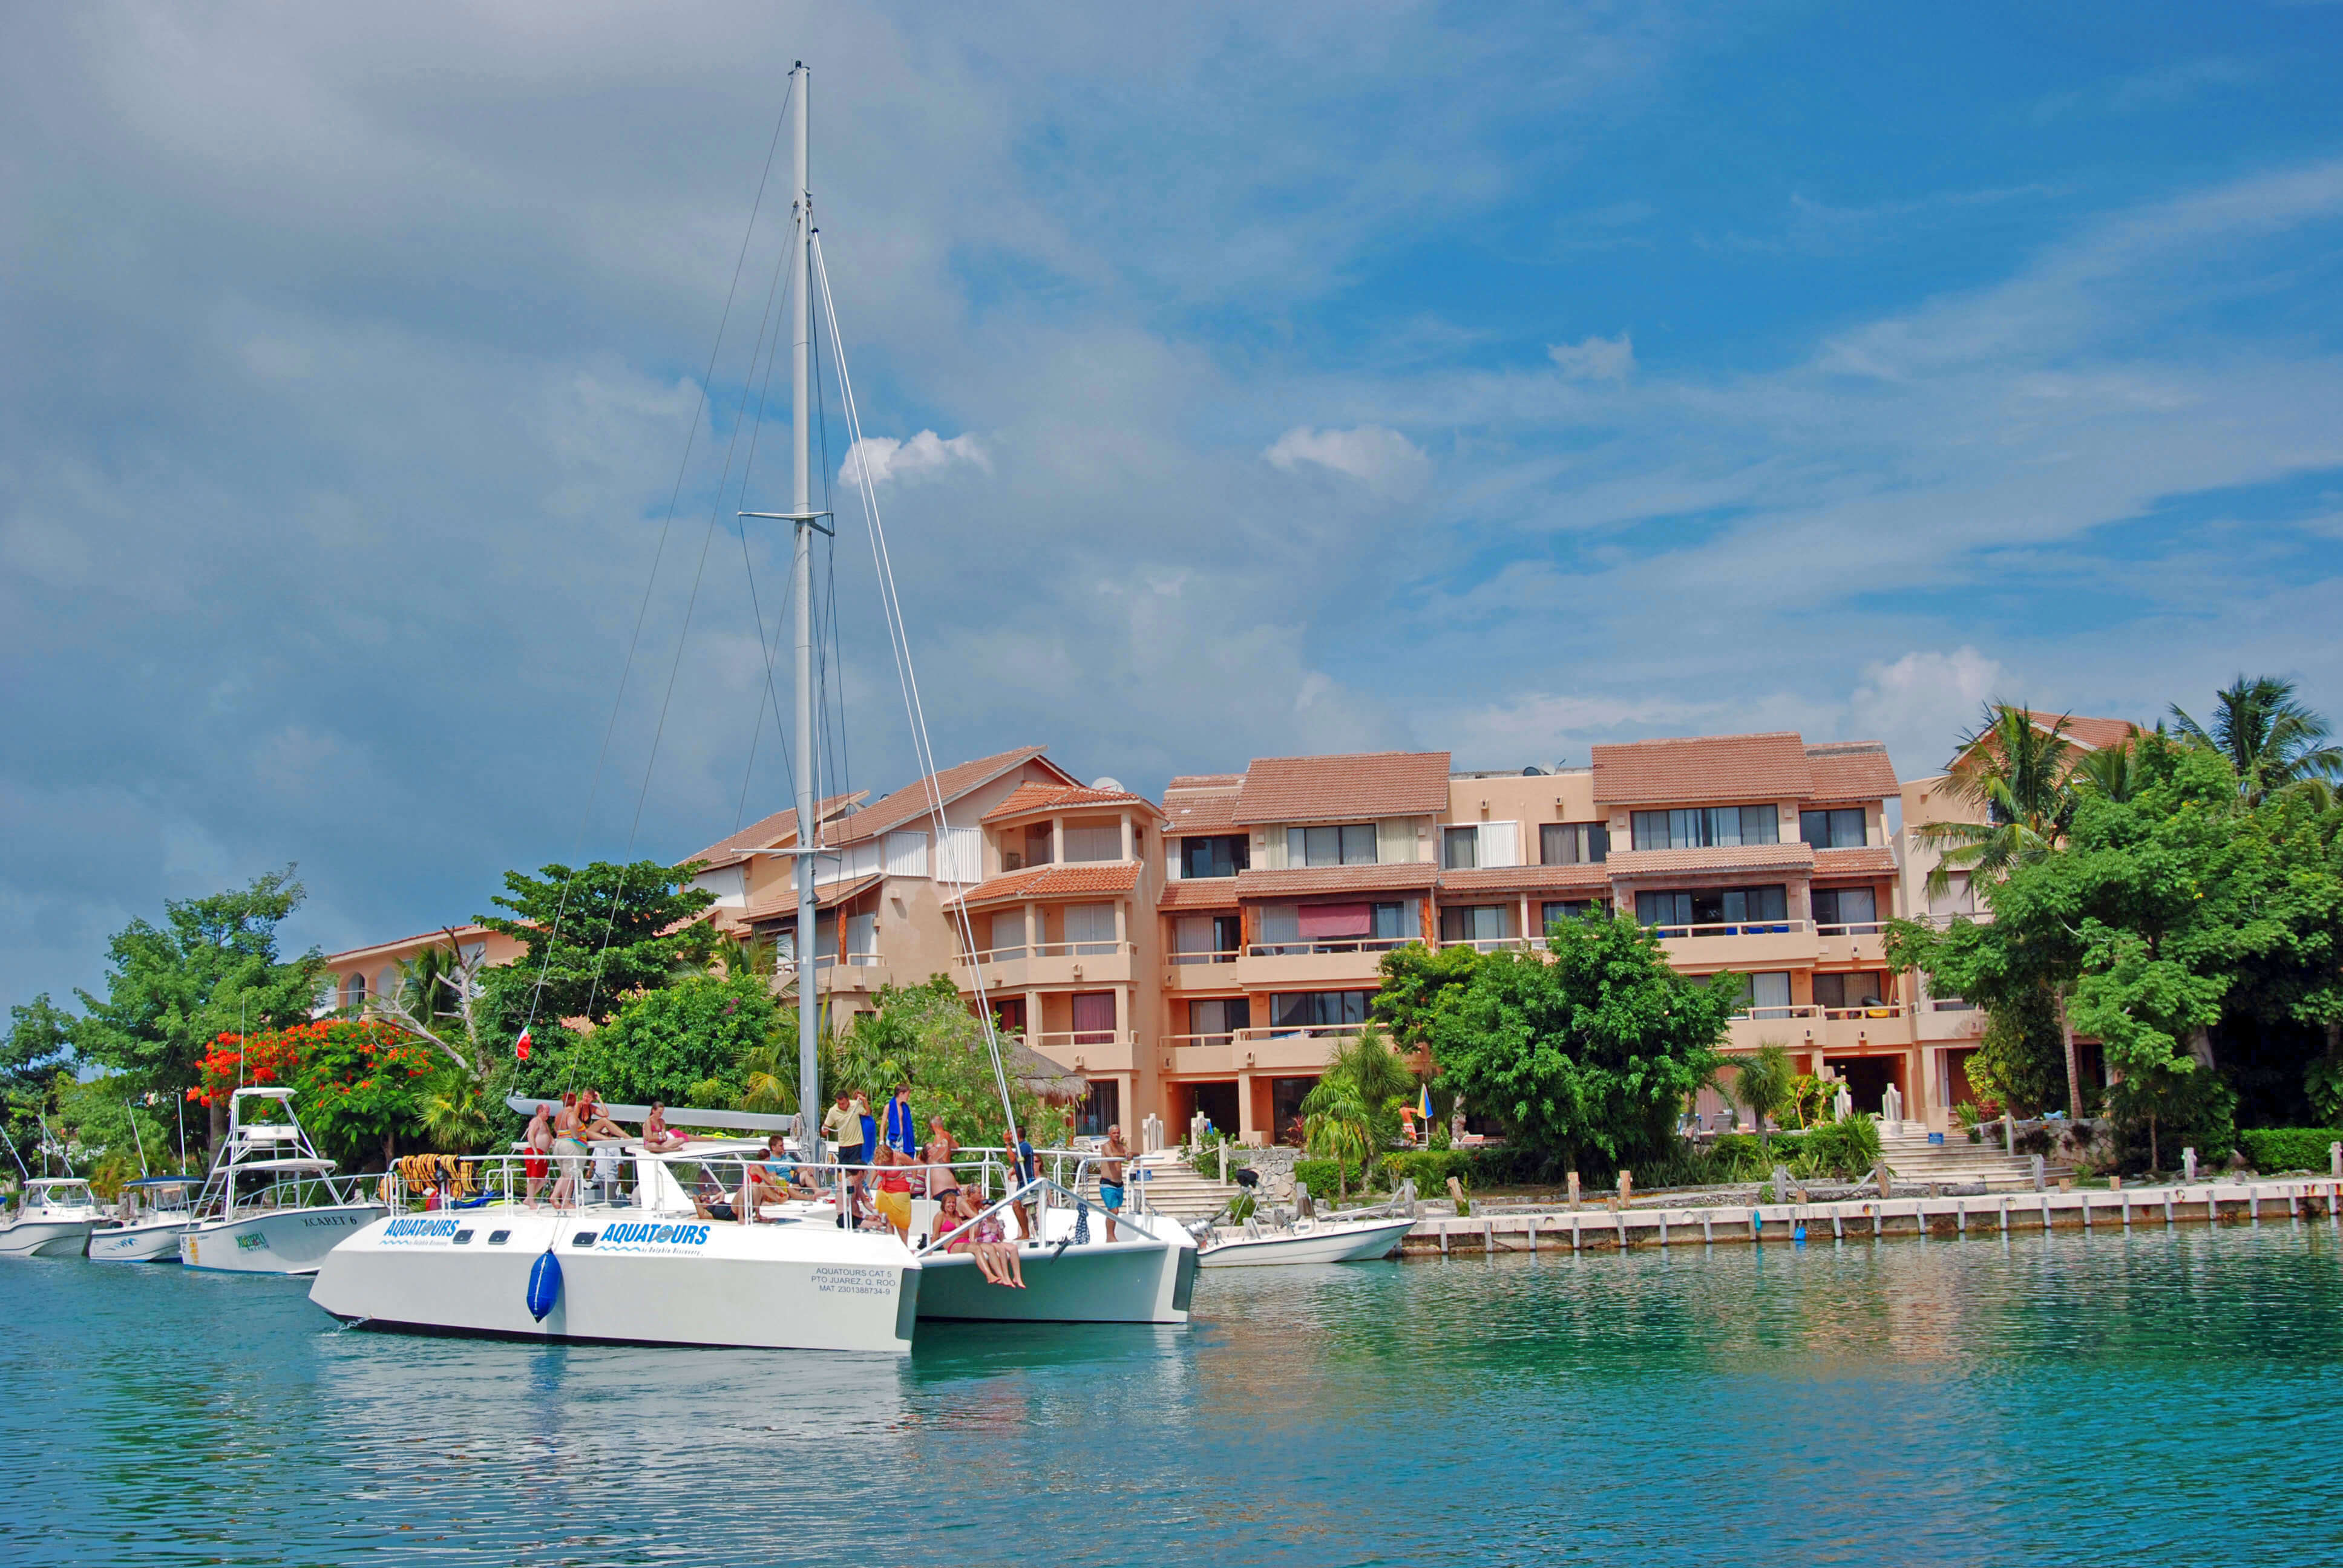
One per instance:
(923,456)
(1380,459)
(1595,358)
(1922,703)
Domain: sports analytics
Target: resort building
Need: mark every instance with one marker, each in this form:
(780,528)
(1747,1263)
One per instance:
(1207,955)
(359,975)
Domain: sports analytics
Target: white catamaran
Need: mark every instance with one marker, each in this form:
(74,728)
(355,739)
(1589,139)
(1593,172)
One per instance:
(271,1204)
(648,1261)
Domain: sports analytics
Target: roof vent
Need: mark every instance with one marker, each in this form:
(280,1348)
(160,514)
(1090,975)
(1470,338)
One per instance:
(1113,785)
(1532,772)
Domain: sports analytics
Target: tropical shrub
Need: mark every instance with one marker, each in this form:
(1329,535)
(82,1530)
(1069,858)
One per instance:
(2270,1150)
(1847,1148)
(678,1045)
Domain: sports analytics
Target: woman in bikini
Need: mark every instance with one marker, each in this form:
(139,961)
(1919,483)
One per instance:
(657,1138)
(569,1147)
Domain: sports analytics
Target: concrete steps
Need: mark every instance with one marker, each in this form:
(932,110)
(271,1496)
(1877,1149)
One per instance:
(1912,1157)
(1173,1188)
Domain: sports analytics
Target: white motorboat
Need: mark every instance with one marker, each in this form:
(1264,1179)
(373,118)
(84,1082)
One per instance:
(53,1219)
(645,1266)
(147,1223)
(1336,1239)
(271,1204)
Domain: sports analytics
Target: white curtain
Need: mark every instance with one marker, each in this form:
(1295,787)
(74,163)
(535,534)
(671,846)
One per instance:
(907,854)
(1094,843)
(1500,844)
(1008,931)
(1090,927)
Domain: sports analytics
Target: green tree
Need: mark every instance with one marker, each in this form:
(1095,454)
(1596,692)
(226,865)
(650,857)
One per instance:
(2270,739)
(211,968)
(40,1042)
(926,1035)
(1415,982)
(1597,1051)
(594,937)
(2014,770)
(1763,1085)
(1352,1113)
(681,1044)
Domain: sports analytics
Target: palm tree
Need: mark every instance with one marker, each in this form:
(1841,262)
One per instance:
(2020,771)
(1337,1125)
(1764,1086)
(2112,773)
(2015,769)
(2269,737)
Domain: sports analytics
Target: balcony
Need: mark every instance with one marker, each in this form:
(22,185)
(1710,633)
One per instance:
(1888,1026)
(1311,966)
(1863,942)
(1037,965)
(1296,1050)
(1740,944)
(1203,971)
(1089,1050)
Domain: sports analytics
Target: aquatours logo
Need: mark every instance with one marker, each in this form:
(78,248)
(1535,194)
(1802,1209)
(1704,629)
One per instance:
(650,1235)
(420,1230)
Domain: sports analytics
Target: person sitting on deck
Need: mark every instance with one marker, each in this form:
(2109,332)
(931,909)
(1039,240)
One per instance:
(593,1120)
(657,1138)
(985,1241)
(710,1201)
(774,1178)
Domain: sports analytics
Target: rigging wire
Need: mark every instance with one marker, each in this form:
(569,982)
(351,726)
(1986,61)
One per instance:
(561,904)
(899,637)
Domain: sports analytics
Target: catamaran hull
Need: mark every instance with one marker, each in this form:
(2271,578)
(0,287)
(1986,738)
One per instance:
(1328,1244)
(44,1238)
(149,1244)
(1146,1282)
(280,1241)
(627,1278)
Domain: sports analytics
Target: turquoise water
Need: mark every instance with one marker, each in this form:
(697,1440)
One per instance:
(2167,1397)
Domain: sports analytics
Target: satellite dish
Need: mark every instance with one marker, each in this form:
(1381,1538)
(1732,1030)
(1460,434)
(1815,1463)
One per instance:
(1113,784)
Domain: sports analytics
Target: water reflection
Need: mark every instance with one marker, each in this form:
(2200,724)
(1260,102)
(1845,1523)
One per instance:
(1963,1399)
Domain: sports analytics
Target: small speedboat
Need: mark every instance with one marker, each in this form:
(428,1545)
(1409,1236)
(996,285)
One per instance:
(148,1221)
(1335,1238)
(54,1219)
(271,1204)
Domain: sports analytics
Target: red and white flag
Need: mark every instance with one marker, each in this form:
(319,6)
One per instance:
(520,1046)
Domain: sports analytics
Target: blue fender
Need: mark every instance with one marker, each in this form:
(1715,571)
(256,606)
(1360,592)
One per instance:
(544,1285)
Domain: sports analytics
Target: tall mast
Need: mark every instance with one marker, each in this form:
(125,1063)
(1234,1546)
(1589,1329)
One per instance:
(802,591)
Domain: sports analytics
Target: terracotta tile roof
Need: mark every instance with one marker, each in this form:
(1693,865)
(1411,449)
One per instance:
(1355,788)
(772,833)
(912,802)
(1850,770)
(1527,880)
(1335,880)
(1055,882)
(1873,861)
(1033,796)
(785,901)
(354,955)
(1203,803)
(1703,768)
(1200,893)
(2092,734)
(1736,858)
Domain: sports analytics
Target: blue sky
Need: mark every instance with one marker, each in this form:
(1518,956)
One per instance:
(1502,379)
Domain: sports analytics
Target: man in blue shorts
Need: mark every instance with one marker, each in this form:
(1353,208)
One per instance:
(1110,1177)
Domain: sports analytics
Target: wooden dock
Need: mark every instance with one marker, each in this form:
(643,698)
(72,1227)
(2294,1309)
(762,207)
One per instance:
(1595,1227)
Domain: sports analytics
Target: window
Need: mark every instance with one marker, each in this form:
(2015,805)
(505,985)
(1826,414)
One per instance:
(1480,844)
(1568,909)
(861,936)
(1280,924)
(1317,1008)
(907,854)
(1573,843)
(1714,907)
(1093,1017)
(1204,940)
(1707,828)
(1220,855)
(1037,844)
(1845,907)
(1220,1016)
(1838,829)
(1396,922)
(354,991)
(1009,934)
(1862,989)
(1094,843)
(1351,844)
(1476,924)
(1766,995)
(1101,1108)
(1089,929)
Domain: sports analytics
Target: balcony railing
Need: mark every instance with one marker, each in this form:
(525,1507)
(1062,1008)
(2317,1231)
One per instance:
(1327,1032)
(1338,945)
(1226,956)
(1080,1039)
(1046,951)
(1808,1010)
(1856,929)
(832,960)
(1734,928)
(1189,1042)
